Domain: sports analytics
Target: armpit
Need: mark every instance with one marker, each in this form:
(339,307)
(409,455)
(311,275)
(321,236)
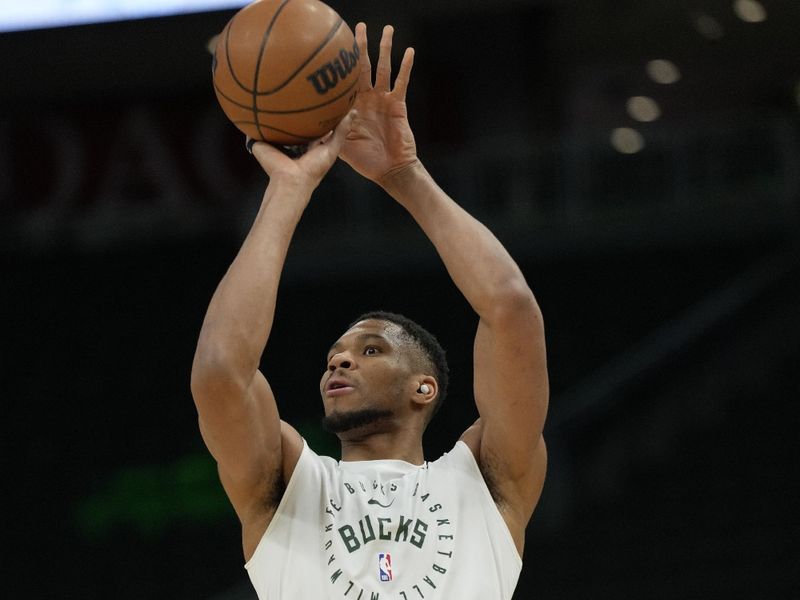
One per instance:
(274,493)
(488,465)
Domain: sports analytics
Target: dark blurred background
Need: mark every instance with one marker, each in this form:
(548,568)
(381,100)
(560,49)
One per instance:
(640,159)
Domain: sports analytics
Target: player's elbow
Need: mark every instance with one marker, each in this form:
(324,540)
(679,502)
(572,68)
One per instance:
(514,302)
(213,378)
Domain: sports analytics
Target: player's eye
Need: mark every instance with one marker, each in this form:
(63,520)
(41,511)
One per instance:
(371,351)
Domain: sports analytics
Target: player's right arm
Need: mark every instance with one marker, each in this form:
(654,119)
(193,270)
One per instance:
(239,420)
(237,412)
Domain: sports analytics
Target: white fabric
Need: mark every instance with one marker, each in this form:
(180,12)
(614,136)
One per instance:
(338,521)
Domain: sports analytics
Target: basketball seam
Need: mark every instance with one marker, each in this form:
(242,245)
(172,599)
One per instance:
(286,112)
(302,137)
(248,90)
(313,55)
(258,64)
(228,55)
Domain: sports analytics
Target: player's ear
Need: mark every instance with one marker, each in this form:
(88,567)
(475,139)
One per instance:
(427,389)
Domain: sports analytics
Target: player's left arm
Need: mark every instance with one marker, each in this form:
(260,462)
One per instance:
(511,392)
(510,367)
(511,387)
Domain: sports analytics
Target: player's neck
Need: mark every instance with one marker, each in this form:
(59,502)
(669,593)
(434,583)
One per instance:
(384,446)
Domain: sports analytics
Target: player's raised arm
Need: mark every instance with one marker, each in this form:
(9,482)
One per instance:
(511,385)
(238,415)
(510,375)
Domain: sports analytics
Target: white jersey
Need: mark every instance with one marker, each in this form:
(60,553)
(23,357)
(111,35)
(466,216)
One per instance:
(386,530)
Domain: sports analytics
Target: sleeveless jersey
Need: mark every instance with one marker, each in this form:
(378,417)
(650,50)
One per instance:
(386,530)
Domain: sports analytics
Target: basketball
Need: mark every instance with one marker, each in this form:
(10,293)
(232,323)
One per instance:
(285,71)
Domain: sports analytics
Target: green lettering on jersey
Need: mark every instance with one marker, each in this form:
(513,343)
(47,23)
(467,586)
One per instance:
(384,535)
(364,536)
(402,529)
(349,538)
(420,527)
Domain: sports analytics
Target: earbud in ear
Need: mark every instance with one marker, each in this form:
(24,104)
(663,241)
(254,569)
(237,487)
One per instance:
(424,389)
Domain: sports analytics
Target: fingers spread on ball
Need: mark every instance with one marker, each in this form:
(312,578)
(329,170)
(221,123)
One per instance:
(365,76)
(404,74)
(383,73)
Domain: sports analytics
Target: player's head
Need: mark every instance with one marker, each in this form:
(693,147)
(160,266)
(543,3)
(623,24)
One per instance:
(384,370)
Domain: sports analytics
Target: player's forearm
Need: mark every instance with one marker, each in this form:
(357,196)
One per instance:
(239,318)
(476,260)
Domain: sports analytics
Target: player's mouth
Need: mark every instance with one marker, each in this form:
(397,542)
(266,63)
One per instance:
(338,387)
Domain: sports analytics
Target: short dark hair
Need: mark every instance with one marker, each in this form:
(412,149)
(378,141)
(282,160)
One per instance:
(426,341)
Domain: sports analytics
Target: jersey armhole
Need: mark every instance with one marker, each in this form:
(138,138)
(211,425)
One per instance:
(299,470)
(501,522)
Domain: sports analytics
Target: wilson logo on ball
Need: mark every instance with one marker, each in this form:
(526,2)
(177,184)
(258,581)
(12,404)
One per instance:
(330,74)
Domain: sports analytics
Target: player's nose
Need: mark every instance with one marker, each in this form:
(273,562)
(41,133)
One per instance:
(341,360)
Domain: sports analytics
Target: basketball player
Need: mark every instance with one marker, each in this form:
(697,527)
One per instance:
(382,523)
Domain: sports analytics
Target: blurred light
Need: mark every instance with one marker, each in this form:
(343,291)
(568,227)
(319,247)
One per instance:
(708,26)
(663,71)
(211,45)
(41,14)
(750,11)
(643,108)
(627,140)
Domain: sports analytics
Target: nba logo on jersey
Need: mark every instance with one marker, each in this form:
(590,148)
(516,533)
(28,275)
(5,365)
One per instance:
(385,566)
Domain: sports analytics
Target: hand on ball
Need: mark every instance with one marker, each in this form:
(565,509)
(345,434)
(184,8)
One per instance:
(311,167)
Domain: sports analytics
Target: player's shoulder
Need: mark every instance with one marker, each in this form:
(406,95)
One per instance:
(465,453)
(472,438)
(296,449)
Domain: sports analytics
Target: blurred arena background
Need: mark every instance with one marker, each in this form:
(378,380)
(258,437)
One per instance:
(640,159)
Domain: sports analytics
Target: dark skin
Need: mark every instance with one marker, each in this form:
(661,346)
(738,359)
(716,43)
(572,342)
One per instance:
(256,451)
(375,363)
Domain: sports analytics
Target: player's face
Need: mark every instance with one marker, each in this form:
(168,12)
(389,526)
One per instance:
(367,370)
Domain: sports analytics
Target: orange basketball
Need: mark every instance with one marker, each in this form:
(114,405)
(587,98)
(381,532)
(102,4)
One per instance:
(285,71)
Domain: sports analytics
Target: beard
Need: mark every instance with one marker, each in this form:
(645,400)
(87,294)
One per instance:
(341,422)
